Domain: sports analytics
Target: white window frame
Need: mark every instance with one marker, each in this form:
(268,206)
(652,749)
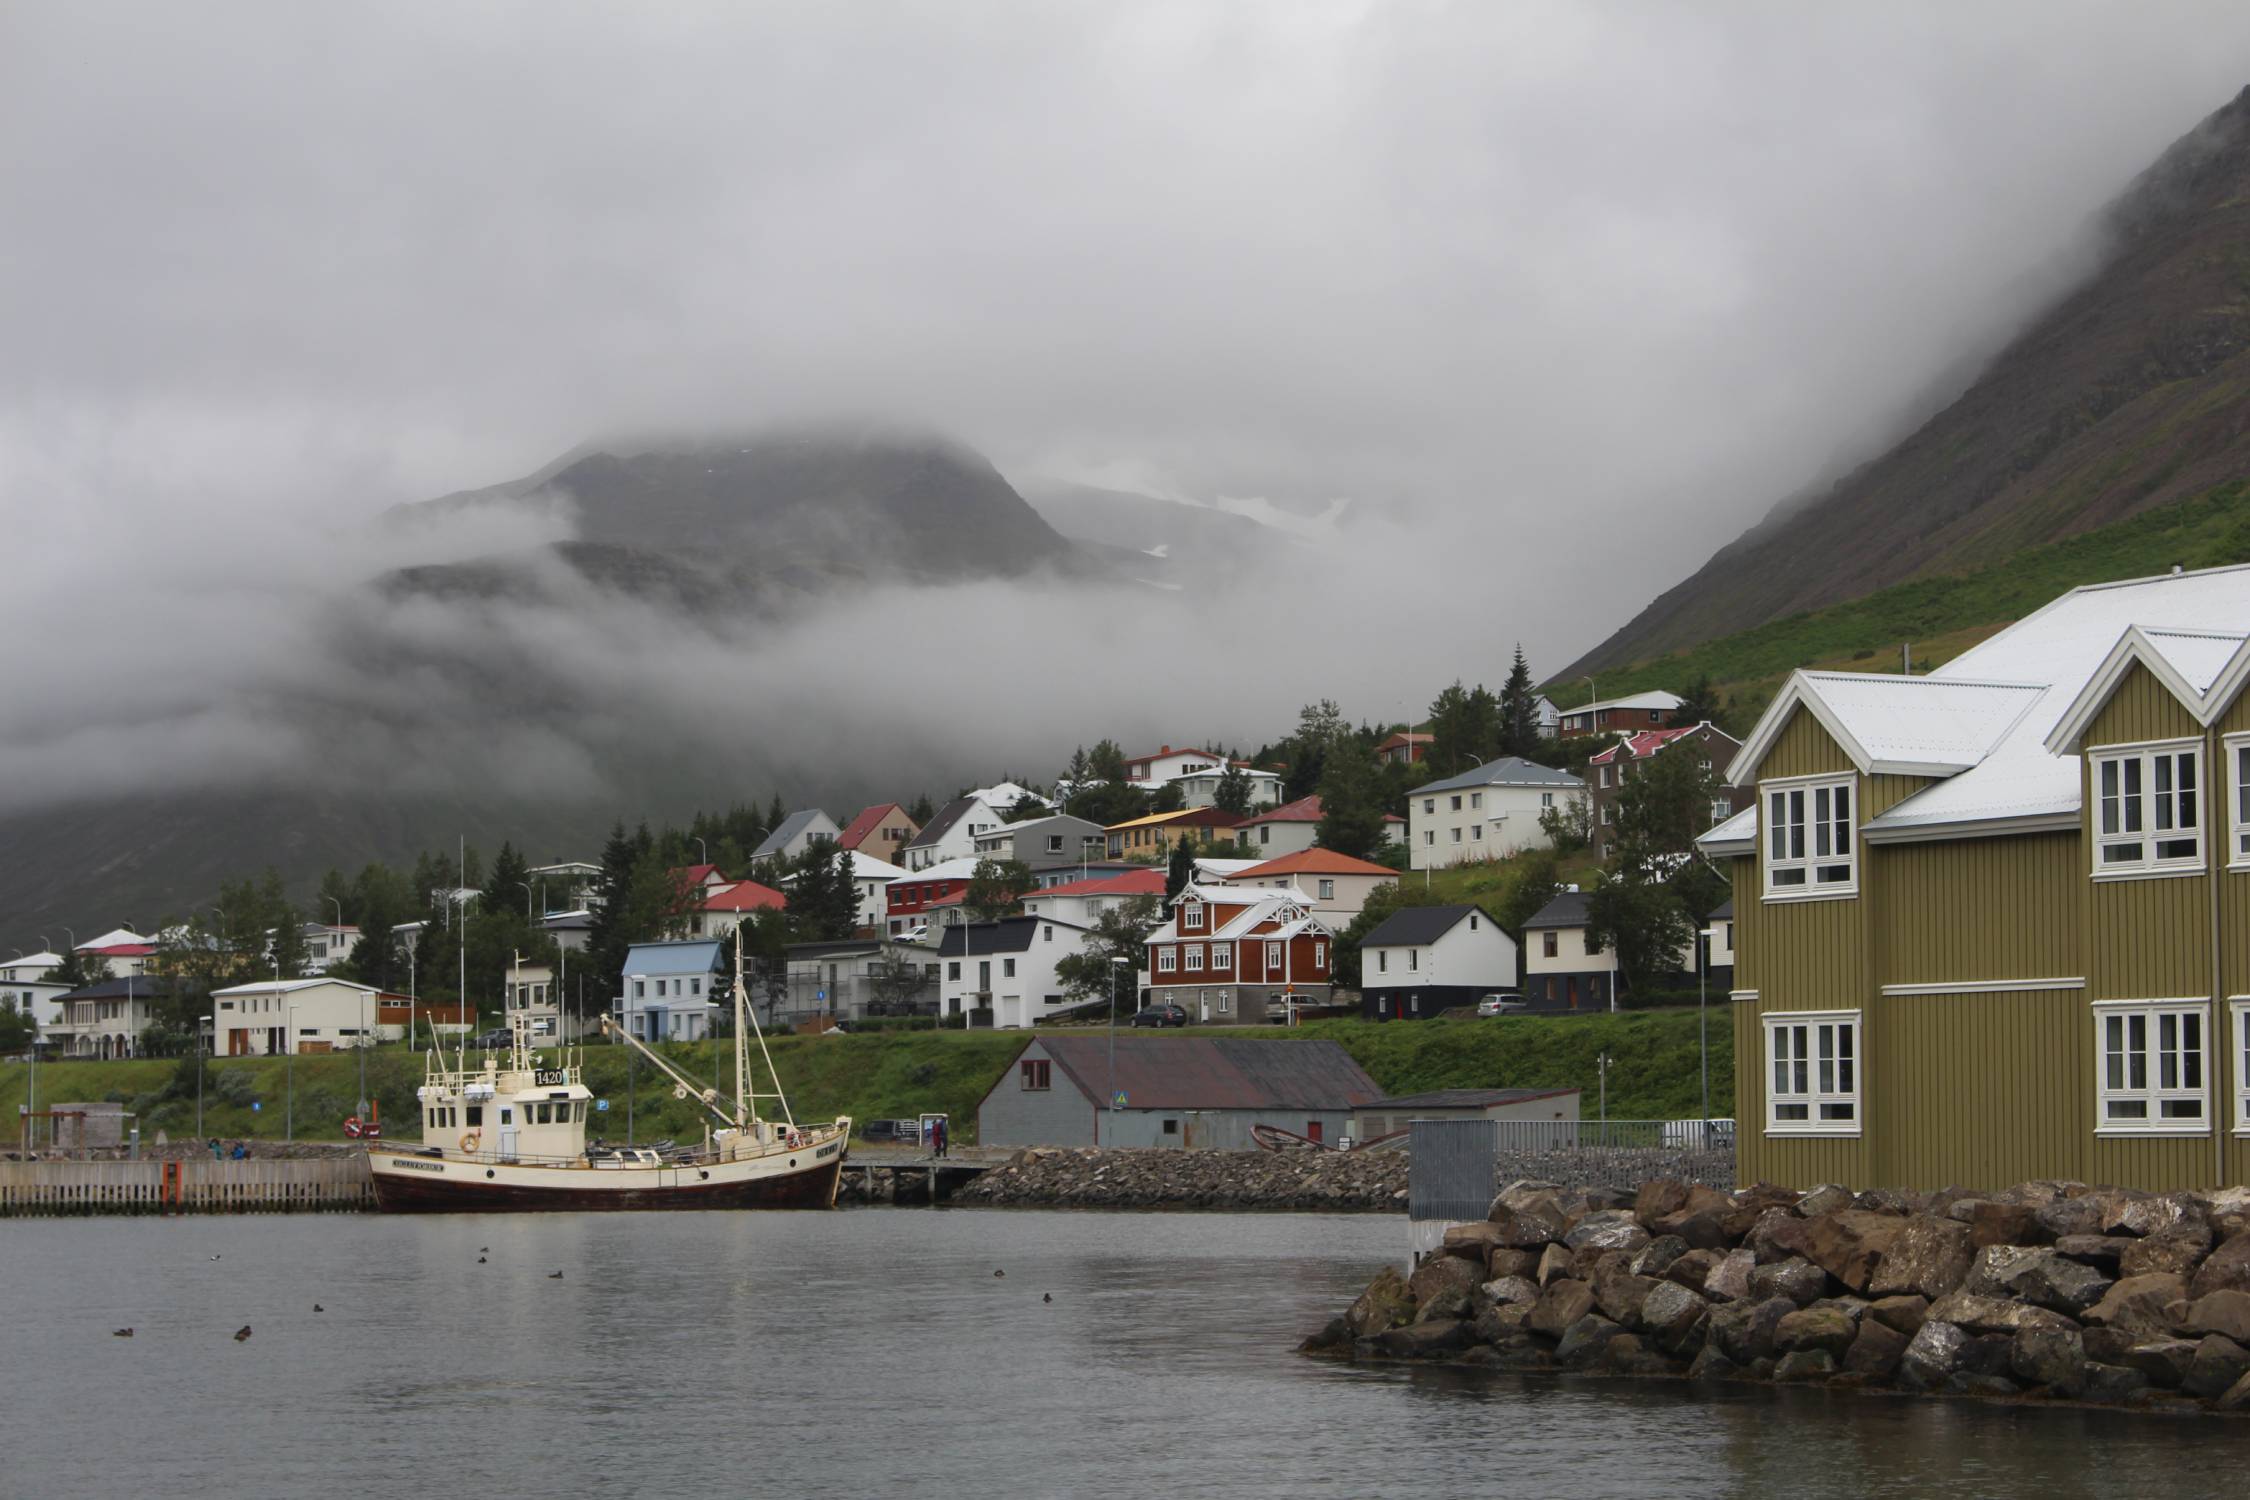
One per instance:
(2147,756)
(1191,917)
(1808,860)
(2238,1011)
(1273,954)
(2236,749)
(1167,960)
(1806,1026)
(2152,1090)
(1327,890)
(1195,958)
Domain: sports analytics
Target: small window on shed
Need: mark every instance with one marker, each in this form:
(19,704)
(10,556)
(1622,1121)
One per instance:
(1171,1127)
(1034,1074)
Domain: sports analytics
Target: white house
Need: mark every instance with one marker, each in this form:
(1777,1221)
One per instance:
(797,833)
(107,1019)
(670,989)
(121,950)
(871,878)
(1296,825)
(533,992)
(1082,902)
(953,833)
(1563,968)
(1201,788)
(274,1016)
(1488,812)
(1336,887)
(1007,966)
(24,987)
(1423,960)
(327,944)
(1004,797)
(730,905)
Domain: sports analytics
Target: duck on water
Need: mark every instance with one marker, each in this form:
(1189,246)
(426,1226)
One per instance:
(510,1136)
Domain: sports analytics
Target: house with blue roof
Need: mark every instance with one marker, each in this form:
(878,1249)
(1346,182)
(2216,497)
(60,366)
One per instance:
(673,990)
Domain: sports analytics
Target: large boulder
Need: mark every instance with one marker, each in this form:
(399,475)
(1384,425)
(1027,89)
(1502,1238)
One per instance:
(1875,1351)
(2137,1305)
(1744,1331)
(1995,1223)
(1560,1305)
(1988,1273)
(2052,1357)
(1657,1197)
(1656,1257)
(1927,1257)
(2225,1269)
(1712,1365)
(1423,1340)
(1554,1262)
(1776,1234)
(1538,1222)
(1827,1198)
(2164,1361)
(2227,1211)
(2225,1313)
(1993,1314)
(1473,1241)
(1692,1269)
(1805,1364)
(1611,1229)
(1670,1314)
(1445,1273)
(1585,1340)
(1800,1281)
(2146,1214)
(2109,1385)
(1905,1314)
(1385,1304)
(2066,1216)
(1848,1245)
(1728,1278)
(1619,1293)
(2178,1248)
(1509,1290)
(1826,1328)
(2054,1281)
(1501,1263)
(1450,1304)
(1707,1228)
(1931,1356)
(2218,1362)
(2236,1397)
(2101,1251)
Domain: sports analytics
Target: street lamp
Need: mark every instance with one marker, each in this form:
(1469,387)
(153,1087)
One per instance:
(1593,696)
(289,1071)
(1118,965)
(527,916)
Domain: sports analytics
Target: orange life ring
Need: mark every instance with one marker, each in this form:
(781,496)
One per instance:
(470,1140)
(352,1127)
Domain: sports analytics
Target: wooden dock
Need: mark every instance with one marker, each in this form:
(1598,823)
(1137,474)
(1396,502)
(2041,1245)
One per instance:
(55,1188)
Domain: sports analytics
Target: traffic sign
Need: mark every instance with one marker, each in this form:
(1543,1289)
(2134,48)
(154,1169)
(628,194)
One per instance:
(601,1106)
(1119,1100)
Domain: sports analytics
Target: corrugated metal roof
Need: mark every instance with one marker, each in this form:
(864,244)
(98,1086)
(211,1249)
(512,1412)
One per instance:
(1192,1072)
(1469,1098)
(1508,770)
(1412,926)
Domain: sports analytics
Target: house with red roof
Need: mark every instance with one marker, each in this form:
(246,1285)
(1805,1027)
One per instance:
(1606,773)
(728,906)
(121,951)
(1231,954)
(883,830)
(1404,748)
(1296,825)
(1197,774)
(1084,901)
(1335,886)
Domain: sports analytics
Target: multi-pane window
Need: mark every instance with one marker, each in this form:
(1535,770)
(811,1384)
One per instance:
(1810,846)
(2238,786)
(2148,809)
(2242,1067)
(1812,1072)
(1273,955)
(1191,917)
(2150,1066)
(1548,946)
(1195,956)
(1328,890)
(1037,1074)
(1166,960)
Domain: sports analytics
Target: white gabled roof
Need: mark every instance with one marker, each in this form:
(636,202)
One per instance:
(1656,698)
(868,867)
(2054,668)
(290,986)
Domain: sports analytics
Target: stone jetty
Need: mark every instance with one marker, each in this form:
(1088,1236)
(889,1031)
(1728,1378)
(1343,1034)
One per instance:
(1228,1181)
(2045,1290)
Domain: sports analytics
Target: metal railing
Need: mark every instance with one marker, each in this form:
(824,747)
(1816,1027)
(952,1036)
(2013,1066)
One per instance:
(1615,1153)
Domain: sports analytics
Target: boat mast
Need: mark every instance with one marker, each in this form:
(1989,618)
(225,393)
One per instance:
(742,1105)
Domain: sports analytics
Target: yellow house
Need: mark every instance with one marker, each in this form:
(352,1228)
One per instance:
(1993,923)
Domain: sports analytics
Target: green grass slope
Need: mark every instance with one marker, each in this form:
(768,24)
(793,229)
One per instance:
(1653,1075)
(1945,615)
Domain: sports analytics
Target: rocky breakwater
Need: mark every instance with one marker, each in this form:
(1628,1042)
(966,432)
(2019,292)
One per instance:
(2046,1290)
(1230,1181)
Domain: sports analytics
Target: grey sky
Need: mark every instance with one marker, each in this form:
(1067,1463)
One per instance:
(1562,296)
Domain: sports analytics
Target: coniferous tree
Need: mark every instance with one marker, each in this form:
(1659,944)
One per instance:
(1180,873)
(286,952)
(511,880)
(1519,710)
(1233,791)
(1351,805)
(921,812)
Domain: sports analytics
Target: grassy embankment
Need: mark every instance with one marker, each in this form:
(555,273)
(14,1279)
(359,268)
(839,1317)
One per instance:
(1945,615)
(1653,1074)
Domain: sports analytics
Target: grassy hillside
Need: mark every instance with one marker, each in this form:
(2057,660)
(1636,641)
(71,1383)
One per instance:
(1943,617)
(1652,1075)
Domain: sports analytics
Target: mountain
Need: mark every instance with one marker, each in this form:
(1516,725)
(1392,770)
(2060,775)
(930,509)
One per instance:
(1165,542)
(2129,393)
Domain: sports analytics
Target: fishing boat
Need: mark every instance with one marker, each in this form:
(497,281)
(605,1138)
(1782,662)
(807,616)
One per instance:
(509,1135)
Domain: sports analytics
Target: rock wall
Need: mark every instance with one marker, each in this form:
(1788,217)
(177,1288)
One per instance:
(2053,1290)
(1231,1181)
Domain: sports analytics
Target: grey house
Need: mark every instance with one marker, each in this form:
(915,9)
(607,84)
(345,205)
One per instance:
(1196,1093)
(1044,843)
(798,832)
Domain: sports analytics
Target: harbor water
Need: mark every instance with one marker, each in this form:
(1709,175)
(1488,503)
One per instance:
(877,1353)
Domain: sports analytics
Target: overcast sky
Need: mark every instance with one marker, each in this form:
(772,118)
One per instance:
(1560,296)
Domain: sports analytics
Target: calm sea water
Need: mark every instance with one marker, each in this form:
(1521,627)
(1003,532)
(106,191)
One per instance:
(873,1352)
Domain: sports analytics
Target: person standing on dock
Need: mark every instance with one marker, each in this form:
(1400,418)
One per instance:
(940,1134)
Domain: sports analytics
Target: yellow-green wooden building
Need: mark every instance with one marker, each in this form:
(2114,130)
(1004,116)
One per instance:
(1993,923)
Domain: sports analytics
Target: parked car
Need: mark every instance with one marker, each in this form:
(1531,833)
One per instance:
(1162,1015)
(498,1036)
(1502,1002)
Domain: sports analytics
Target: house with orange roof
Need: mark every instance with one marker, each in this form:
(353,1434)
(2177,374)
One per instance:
(1084,901)
(1335,886)
(1405,748)
(1606,773)
(883,830)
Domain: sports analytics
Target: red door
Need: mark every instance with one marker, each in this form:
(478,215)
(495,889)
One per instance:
(1312,1130)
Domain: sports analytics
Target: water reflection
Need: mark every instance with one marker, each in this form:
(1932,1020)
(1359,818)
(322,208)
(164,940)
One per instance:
(874,1352)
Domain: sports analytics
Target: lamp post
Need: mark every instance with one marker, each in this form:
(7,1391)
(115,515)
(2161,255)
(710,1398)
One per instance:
(527,893)
(289,1072)
(1118,965)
